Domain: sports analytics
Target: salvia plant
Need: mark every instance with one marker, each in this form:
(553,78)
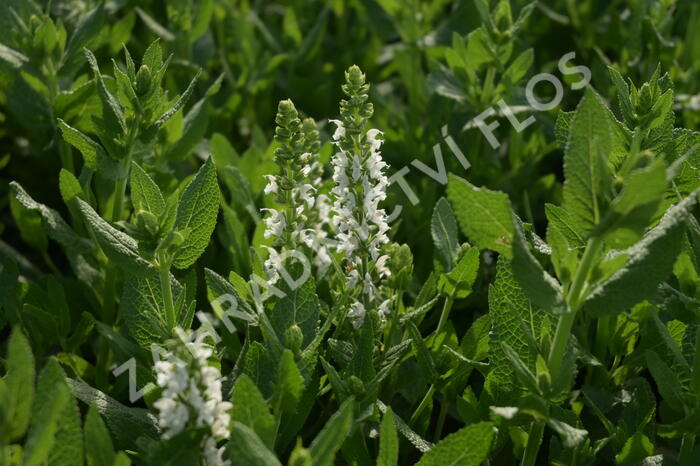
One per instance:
(317,233)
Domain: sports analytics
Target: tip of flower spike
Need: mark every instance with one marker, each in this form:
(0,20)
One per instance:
(286,112)
(354,76)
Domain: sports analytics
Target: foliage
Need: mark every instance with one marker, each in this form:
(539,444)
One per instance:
(237,201)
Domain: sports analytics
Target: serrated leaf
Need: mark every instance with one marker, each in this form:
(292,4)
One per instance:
(54,224)
(197,211)
(113,109)
(443,229)
(250,408)
(289,384)
(483,215)
(636,448)
(649,262)
(179,103)
(69,185)
(145,193)
(88,28)
(458,282)
(388,441)
(543,290)
(247,449)
(332,436)
(666,380)
(565,224)
(98,443)
(52,399)
(299,306)
(94,155)
(635,207)
(468,446)
(125,424)
(19,385)
(117,245)
(587,178)
(142,307)
(515,321)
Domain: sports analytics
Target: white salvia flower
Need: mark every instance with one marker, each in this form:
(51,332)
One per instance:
(384,308)
(214,455)
(382,270)
(271,186)
(275,223)
(339,130)
(272,265)
(357,314)
(192,394)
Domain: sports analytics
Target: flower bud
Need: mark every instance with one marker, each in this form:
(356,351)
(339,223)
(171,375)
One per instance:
(294,338)
(143,80)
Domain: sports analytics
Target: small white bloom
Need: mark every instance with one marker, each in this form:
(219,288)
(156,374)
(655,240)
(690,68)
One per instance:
(275,223)
(339,130)
(357,314)
(271,186)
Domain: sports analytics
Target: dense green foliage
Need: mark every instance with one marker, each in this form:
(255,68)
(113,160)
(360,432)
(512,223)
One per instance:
(459,292)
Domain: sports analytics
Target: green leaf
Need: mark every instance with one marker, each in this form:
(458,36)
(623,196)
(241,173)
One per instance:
(98,443)
(68,185)
(87,29)
(649,262)
(518,68)
(19,384)
(250,408)
(12,56)
(587,178)
(246,449)
(566,224)
(332,436)
(197,211)
(299,306)
(145,193)
(142,307)
(636,449)
(52,399)
(423,357)
(289,385)
(388,441)
(458,282)
(634,208)
(666,380)
(179,103)
(543,290)
(468,446)
(443,228)
(483,215)
(515,321)
(113,109)
(54,224)
(117,245)
(125,424)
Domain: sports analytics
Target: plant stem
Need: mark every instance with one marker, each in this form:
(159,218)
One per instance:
(446,308)
(534,439)
(423,404)
(687,446)
(441,418)
(566,320)
(164,272)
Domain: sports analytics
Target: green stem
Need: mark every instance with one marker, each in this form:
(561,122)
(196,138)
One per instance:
(566,320)
(534,439)
(423,404)
(164,272)
(441,419)
(446,308)
(687,447)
